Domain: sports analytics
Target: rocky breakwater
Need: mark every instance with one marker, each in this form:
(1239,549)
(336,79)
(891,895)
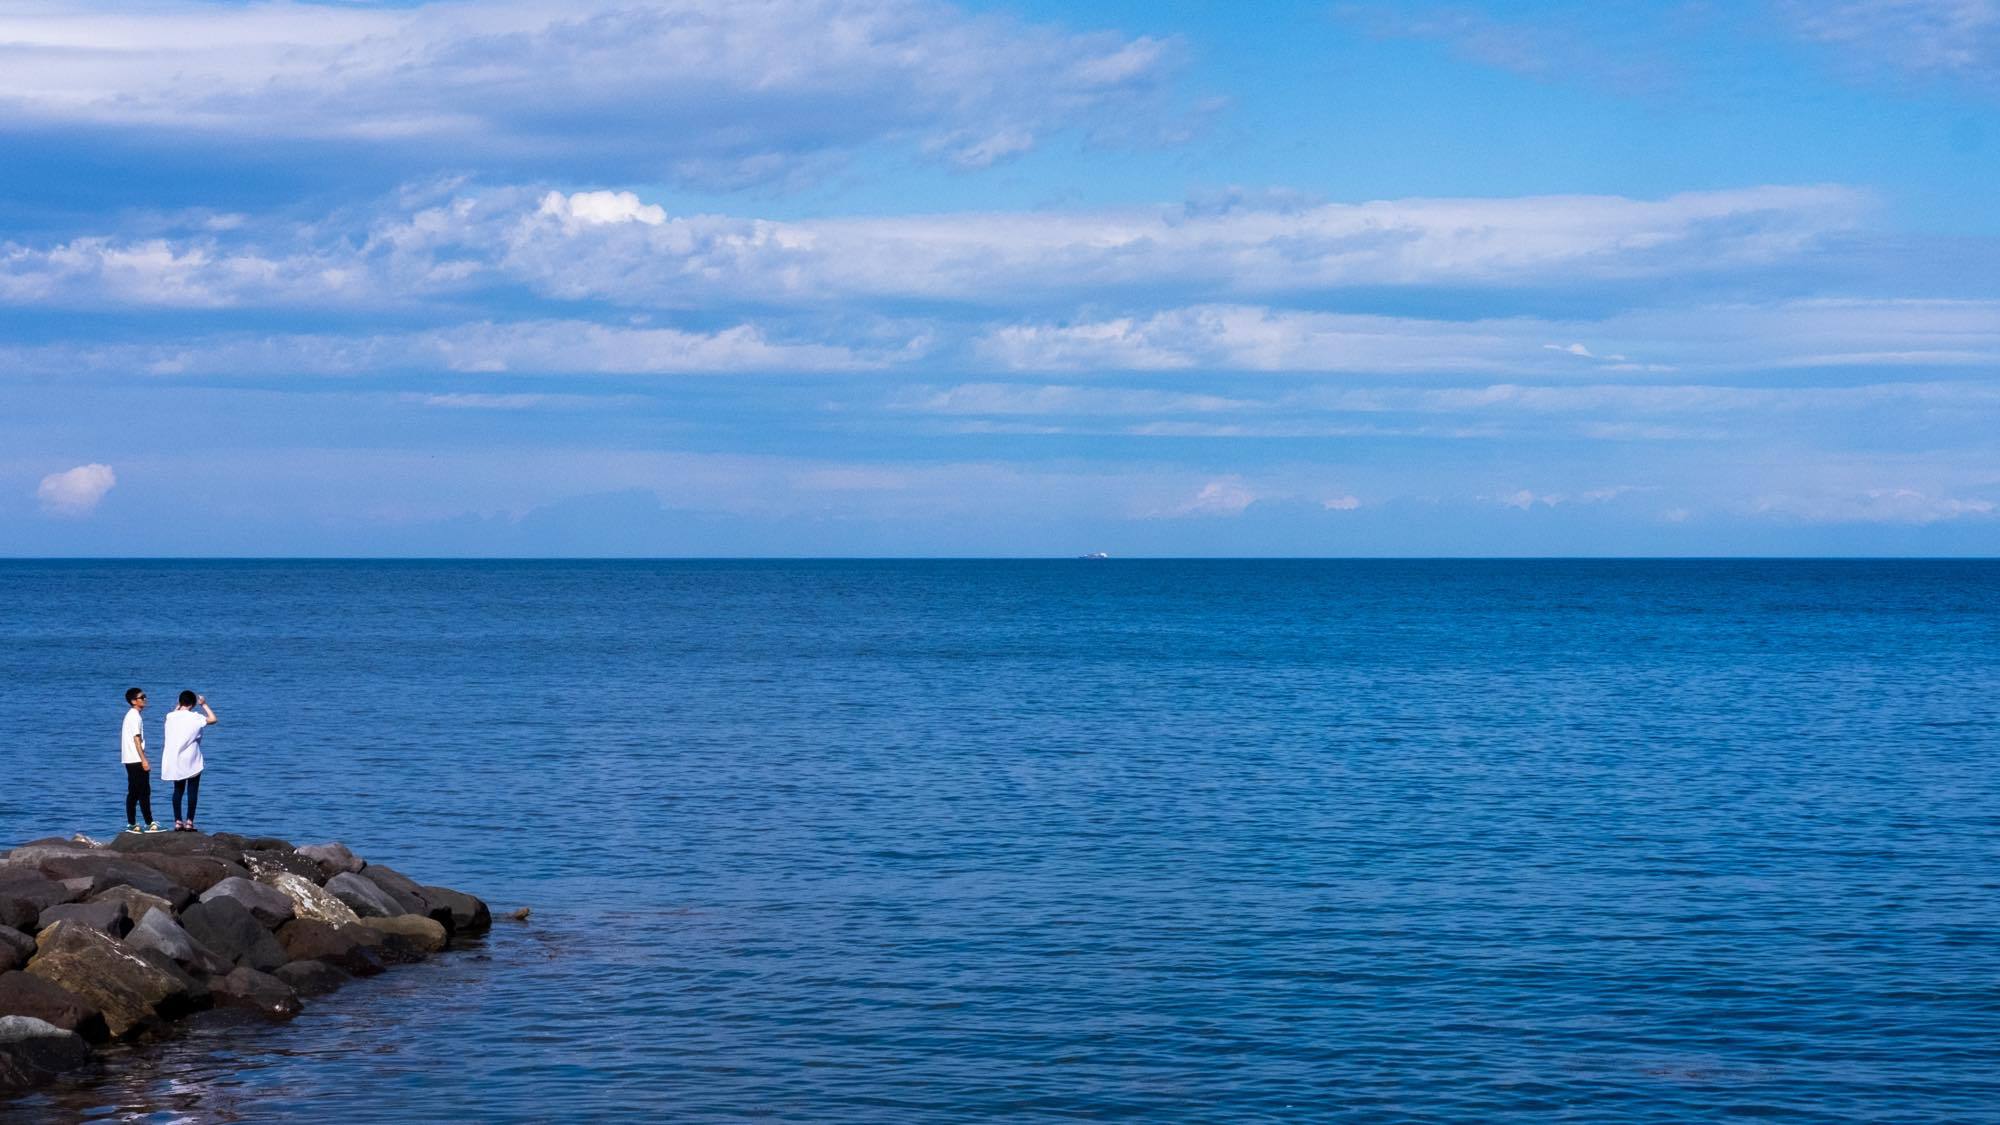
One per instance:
(101,942)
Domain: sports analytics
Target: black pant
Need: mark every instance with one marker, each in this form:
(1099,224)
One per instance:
(138,793)
(192,787)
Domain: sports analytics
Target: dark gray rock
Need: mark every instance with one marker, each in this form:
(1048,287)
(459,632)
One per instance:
(267,844)
(106,870)
(262,993)
(355,948)
(132,993)
(231,932)
(35,1051)
(23,994)
(363,897)
(158,930)
(109,917)
(468,914)
(269,905)
(333,859)
(195,872)
(178,844)
(137,902)
(24,897)
(311,978)
(15,948)
(198,994)
(408,895)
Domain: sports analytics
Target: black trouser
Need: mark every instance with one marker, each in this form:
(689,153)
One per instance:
(138,793)
(192,787)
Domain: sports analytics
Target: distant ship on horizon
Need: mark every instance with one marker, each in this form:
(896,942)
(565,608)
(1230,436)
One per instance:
(1094,555)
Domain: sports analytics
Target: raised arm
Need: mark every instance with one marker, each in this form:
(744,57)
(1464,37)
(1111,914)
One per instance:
(201,701)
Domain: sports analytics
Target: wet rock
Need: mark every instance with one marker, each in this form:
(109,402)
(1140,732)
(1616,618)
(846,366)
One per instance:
(231,932)
(308,899)
(130,991)
(158,930)
(522,914)
(107,917)
(262,863)
(23,898)
(468,914)
(106,870)
(136,901)
(35,1051)
(363,897)
(262,993)
(355,948)
(409,897)
(311,978)
(195,872)
(268,904)
(407,937)
(333,859)
(24,994)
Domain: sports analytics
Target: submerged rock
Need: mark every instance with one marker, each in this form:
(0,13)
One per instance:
(262,993)
(311,978)
(33,1051)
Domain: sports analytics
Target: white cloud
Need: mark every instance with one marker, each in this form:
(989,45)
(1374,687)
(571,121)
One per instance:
(614,247)
(719,90)
(1873,505)
(1225,496)
(1939,36)
(76,492)
(1340,503)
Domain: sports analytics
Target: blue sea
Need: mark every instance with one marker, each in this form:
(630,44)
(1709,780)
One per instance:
(869,841)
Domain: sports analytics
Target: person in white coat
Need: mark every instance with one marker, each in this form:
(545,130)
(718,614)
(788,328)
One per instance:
(180,754)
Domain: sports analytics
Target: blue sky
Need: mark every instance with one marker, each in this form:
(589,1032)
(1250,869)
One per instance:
(858,277)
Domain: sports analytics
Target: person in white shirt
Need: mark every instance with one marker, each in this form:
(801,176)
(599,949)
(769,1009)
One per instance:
(138,771)
(180,753)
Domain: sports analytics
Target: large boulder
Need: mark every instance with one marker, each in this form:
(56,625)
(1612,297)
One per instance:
(308,899)
(132,993)
(231,932)
(468,914)
(15,948)
(23,897)
(178,844)
(262,863)
(262,993)
(333,859)
(355,948)
(268,904)
(106,870)
(195,872)
(311,978)
(363,897)
(158,930)
(198,993)
(23,994)
(110,917)
(407,937)
(34,855)
(136,901)
(34,1051)
(410,898)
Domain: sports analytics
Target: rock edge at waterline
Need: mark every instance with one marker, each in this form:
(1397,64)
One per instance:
(116,940)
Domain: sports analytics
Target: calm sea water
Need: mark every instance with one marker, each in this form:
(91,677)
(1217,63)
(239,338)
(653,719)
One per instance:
(889,841)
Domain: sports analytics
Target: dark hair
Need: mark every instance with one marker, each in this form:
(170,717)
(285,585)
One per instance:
(132,693)
(188,698)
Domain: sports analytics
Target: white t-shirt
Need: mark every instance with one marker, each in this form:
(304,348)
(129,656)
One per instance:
(125,751)
(180,745)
